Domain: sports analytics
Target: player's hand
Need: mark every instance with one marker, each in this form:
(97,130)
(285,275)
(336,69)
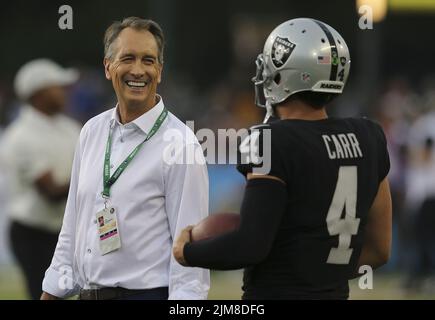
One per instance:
(47,296)
(178,247)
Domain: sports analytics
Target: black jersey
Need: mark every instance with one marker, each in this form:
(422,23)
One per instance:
(332,169)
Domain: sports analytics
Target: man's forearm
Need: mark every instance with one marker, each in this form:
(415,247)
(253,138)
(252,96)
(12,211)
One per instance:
(47,296)
(261,213)
(369,257)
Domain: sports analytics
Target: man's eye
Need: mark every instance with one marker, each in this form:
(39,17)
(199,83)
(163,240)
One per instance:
(149,61)
(127,59)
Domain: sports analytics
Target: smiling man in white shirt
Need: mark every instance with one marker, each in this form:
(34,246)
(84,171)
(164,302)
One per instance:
(120,221)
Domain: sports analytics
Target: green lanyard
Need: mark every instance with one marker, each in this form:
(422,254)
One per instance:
(108,180)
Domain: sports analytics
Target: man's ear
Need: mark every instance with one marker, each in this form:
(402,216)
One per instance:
(159,78)
(106,63)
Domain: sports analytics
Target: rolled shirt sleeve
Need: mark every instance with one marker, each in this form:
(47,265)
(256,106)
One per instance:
(186,204)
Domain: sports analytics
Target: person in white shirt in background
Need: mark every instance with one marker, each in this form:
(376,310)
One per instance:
(120,222)
(420,204)
(36,152)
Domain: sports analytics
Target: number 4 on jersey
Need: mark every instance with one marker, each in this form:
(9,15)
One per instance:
(345,196)
(249,148)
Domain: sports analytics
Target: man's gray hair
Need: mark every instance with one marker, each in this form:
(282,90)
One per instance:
(136,23)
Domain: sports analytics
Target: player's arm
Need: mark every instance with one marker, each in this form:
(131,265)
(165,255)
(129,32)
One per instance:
(263,205)
(47,296)
(377,243)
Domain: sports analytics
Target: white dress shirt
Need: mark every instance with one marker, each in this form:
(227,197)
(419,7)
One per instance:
(154,200)
(31,146)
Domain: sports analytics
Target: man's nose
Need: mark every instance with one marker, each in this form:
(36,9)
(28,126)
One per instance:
(138,69)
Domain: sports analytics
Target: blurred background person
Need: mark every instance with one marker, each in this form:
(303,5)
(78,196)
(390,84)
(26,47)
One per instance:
(425,222)
(36,151)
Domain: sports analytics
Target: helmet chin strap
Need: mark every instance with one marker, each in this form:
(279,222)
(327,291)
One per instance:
(269,112)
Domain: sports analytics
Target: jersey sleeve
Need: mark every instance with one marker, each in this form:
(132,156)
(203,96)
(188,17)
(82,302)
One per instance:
(259,153)
(263,207)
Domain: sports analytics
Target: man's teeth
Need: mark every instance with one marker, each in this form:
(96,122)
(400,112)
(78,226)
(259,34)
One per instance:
(136,84)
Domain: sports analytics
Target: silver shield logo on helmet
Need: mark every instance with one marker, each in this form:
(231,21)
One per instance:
(281,51)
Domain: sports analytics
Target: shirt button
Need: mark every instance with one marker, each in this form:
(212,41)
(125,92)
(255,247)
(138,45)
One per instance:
(111,166)
(95,221)
(89,251)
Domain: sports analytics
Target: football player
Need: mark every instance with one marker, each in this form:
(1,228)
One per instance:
(324,208)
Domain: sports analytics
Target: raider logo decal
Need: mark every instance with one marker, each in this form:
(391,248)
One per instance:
(281,50)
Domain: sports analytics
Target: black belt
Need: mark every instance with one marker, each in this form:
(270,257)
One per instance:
(117,293)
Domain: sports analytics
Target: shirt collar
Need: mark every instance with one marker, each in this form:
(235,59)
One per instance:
(145,121)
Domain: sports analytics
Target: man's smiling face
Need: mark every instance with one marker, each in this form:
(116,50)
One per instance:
(134,68)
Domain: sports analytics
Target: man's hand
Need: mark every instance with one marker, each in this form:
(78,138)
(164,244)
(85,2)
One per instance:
(178,247)
(47,296)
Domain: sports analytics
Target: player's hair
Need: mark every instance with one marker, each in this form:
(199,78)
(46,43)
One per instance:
(136,23)
(316,100)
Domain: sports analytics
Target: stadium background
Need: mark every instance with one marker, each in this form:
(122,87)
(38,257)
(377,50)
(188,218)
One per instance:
(209,61)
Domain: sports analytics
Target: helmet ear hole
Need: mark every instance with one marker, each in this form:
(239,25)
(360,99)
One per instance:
(277,78)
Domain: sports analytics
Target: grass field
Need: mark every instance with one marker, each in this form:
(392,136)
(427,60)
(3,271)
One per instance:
(227,285)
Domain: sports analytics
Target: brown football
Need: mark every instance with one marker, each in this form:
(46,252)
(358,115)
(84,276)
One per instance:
(215,225)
